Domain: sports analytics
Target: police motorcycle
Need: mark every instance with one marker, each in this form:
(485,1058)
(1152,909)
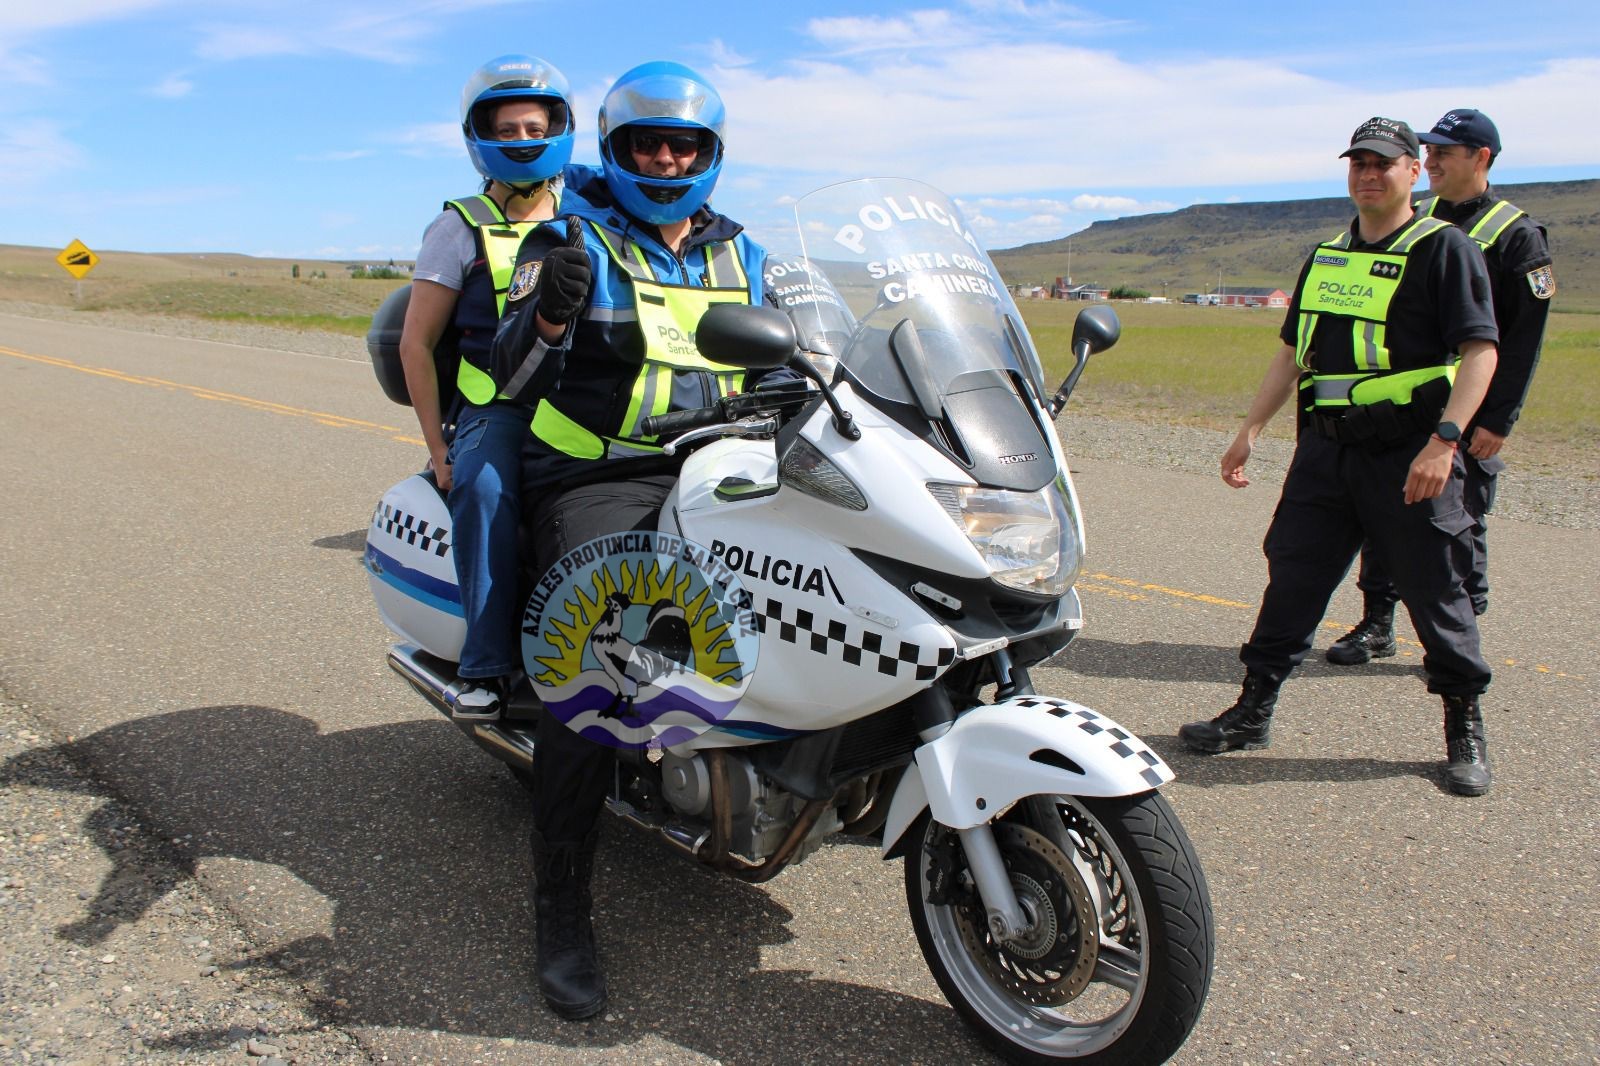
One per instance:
(896,545)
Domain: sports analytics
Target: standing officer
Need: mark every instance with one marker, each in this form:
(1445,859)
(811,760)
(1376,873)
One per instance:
(1371,340)
(1462,146)
(517,124)
(586,333)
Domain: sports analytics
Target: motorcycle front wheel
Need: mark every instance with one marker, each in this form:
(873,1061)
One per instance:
(1117,960)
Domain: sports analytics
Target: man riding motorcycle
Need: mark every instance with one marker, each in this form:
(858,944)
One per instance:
(589,333)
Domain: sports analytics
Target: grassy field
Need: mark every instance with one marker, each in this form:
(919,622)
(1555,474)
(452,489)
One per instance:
(228,287)
(1200,366)
(1176,363)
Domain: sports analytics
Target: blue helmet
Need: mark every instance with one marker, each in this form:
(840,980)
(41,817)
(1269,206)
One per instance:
(520,164)
(661,95)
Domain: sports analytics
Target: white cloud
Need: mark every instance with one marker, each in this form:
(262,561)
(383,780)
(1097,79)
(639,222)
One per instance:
(430,138)
(1057,116)
(394,32)
(172,87)
(35,151)
(17,19)
(335,157)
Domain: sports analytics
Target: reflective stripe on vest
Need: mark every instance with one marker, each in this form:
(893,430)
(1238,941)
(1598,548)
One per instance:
(498,242)
(1489,225)
(668,316)
(1360,286)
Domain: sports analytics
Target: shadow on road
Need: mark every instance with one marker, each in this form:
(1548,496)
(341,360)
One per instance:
(1152,660)
(354,541)
(1259,767)
(415,851)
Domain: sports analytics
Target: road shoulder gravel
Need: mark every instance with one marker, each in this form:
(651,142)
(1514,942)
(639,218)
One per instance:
(114,952)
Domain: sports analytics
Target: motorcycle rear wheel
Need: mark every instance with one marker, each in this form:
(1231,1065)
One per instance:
(1120,961)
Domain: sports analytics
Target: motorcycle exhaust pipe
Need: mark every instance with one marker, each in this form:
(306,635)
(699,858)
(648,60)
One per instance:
(510,745)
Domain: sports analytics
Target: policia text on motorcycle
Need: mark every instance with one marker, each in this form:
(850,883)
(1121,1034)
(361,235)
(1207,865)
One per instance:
(1461,148)
(1389,347)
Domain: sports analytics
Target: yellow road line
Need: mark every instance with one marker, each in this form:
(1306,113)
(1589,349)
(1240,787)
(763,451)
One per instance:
(200,392)
(1123,588)
(1104,584)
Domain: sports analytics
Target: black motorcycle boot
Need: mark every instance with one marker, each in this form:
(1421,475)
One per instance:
(1372,638)
(1247,724)
(1467,772)
(569,969)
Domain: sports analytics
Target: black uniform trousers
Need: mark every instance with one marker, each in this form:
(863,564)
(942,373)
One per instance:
(1478,495)
(1336,495)
(572,774)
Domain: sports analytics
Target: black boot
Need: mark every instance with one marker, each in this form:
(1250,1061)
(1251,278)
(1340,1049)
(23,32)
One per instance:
(569,971)
(1372,638)
(1467,773)
(1247,724)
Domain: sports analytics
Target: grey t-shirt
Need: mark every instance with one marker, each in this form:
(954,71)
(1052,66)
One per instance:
(449,247)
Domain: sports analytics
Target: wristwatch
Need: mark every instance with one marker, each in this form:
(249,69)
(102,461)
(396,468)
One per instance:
(1448,432)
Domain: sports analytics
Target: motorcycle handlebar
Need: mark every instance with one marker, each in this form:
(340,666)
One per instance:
(681,421)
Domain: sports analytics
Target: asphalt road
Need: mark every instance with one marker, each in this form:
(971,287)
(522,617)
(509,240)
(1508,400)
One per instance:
(182,606)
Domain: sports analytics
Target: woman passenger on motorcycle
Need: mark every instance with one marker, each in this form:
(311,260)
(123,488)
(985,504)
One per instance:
(516,120)
(573,338)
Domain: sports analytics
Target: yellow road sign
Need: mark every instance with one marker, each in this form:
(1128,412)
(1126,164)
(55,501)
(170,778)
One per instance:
(77,260)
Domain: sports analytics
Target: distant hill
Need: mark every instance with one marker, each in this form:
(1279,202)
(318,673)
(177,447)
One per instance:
(1264,244)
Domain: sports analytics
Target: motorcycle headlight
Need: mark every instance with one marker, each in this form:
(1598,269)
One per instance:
(1028,539)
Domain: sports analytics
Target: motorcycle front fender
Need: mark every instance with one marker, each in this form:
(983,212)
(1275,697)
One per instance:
(1026,746)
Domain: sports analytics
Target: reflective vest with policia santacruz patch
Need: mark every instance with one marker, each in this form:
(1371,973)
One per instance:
(1357,287)
(668,315)
(498,242)
(1487,229)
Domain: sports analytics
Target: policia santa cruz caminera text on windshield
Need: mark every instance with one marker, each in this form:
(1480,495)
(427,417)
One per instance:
(1370,348)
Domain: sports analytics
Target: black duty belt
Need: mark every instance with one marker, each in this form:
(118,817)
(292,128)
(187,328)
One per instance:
(1376,425)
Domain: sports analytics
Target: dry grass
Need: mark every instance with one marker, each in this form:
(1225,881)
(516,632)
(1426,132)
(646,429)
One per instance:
(1177,364)
(1200,366)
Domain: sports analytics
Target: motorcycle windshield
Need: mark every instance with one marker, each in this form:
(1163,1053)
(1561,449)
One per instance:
(899,252)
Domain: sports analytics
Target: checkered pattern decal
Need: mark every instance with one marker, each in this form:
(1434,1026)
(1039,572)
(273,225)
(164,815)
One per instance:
(1118,739)
(830,637)
(411,529)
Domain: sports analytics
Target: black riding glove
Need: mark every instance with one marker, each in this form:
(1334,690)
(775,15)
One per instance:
(564,277)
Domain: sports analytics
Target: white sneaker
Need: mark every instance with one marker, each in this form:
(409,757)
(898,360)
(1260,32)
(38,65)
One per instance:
(480,701)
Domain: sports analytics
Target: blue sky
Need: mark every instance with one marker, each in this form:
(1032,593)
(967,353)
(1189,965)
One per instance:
(330,129)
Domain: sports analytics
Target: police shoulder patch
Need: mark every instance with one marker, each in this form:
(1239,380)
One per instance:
(1543,282)
(524,280)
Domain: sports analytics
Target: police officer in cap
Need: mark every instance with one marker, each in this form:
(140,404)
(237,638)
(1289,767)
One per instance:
(1462,146)
(1389,345)
(587,333)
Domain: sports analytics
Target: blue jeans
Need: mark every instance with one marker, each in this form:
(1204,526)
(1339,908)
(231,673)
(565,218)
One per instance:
(485,458)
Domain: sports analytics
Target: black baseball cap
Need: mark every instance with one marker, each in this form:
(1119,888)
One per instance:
(1386,136)
(1464,126)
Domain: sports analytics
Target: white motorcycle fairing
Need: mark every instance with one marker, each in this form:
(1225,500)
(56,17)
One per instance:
(995,755)
(411,566)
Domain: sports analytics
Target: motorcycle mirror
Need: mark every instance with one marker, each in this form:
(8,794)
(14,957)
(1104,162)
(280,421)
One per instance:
(752,337)
(1097,327)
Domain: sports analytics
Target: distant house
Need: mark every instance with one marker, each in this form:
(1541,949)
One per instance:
(1243,296)
(1063,289)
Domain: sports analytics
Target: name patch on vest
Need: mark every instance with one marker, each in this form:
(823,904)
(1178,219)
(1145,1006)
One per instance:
(1331,260)
(525,280)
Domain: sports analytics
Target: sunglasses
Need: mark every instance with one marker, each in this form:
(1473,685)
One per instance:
(649,142)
